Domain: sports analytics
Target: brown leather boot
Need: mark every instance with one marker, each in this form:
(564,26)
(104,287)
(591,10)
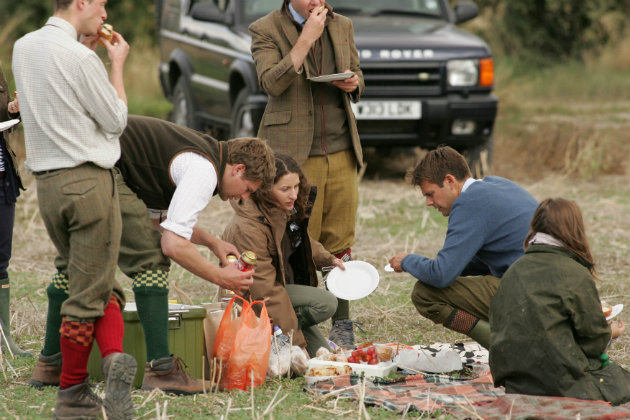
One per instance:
(47,371)
(119,370)
(78,402)
(168,375)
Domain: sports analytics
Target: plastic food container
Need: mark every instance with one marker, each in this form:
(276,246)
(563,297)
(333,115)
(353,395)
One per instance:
(379,370)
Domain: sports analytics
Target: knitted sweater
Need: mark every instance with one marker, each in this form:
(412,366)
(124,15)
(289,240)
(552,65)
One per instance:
(486,228)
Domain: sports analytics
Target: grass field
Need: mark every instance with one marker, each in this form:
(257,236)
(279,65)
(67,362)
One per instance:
(561,132)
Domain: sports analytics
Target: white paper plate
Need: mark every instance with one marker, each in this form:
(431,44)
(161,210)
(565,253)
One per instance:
(331,77)
(616,310)
(5,125)
(358,280)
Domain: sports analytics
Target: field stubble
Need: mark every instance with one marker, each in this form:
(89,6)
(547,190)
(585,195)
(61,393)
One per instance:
(574,148)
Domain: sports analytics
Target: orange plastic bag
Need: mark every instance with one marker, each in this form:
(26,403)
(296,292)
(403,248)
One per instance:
(242,346)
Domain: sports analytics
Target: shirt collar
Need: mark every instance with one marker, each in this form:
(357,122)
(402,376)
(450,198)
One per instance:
(296,16)
(64,25)
(468,183)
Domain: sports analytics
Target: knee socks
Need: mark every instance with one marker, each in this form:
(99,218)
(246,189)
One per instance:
(109,329)
(151,291)
(57,293)
(76,344)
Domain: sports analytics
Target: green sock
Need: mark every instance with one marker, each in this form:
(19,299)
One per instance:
(481,333)
(343,310)
(151,291)
(57,294)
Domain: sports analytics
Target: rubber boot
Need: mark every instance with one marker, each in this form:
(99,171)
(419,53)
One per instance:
(5,320)
(481,333)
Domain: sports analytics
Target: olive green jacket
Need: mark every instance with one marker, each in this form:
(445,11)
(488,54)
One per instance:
(548,330)
(288,121)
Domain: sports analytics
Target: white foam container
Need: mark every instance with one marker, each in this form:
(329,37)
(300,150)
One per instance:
(380,370)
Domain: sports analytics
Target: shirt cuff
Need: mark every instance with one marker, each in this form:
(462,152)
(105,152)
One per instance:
(182,231)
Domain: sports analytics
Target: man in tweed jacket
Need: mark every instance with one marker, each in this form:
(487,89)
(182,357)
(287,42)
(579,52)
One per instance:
(313,122)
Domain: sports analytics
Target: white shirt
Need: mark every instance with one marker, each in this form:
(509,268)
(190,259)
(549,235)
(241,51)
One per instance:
(468,183)
(70,110)
(196,179)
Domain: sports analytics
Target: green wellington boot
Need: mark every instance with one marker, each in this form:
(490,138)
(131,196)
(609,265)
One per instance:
(5,321)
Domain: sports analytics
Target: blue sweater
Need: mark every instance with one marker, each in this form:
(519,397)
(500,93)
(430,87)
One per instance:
(486,229)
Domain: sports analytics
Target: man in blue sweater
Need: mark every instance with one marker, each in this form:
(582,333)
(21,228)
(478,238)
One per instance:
(488,222)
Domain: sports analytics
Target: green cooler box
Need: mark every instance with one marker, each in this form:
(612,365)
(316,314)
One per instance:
(185,340)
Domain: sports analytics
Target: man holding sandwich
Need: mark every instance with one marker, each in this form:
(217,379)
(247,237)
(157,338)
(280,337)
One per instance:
(169,174)
(73,115)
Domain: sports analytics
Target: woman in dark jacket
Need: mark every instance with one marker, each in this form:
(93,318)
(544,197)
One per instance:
(10,185)
(548,333)
(273,224)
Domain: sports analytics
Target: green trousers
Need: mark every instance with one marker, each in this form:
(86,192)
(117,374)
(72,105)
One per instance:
(471,294)
(312,306)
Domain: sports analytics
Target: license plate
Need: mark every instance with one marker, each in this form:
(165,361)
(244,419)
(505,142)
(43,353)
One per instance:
(387,110)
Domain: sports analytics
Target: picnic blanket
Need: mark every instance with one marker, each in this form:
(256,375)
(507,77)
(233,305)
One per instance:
(465,398)
(425,393)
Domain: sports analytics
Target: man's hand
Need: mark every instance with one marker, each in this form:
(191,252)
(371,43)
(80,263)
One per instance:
(314,25)
(396,261)
(117,50)
(348,85)
(231,278)
(222,249)
(90,41)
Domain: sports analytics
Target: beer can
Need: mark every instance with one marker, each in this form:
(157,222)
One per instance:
(246,261)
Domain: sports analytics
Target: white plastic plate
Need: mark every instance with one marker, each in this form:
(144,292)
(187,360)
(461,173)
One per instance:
(331,77)
(358,280)
(5,125)
(616,310)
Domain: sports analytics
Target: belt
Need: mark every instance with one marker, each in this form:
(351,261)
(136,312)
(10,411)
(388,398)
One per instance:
(2,174)
(50,171)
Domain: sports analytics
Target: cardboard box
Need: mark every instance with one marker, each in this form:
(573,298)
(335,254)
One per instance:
(185,340)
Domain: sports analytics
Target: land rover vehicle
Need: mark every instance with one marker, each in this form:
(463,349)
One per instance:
(427,82)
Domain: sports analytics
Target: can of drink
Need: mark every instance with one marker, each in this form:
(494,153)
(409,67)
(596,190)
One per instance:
(231,258)
(246,261)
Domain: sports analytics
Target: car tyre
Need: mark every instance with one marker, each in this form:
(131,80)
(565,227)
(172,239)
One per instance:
(183,112)
(479,158)
(244,118)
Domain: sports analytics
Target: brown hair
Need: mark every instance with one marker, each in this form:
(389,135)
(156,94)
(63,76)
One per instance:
(285,165)
(64,4)
(562,219)
(257,157)
(437,164)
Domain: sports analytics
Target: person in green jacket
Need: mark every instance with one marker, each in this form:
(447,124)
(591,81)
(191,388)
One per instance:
(548,333)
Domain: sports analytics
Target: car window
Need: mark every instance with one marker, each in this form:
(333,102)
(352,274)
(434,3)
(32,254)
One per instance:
(254,9)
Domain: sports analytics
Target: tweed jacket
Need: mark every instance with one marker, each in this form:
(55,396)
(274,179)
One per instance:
(288,121)
(262,232)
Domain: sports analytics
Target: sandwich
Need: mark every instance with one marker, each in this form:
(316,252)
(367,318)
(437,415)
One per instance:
(106,32)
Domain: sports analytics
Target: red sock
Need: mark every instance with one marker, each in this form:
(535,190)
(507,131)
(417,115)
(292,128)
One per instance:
(75,352)
(109,329)
(342,254)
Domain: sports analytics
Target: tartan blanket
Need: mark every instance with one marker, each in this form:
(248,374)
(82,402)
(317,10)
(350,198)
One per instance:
(474,398)
(425,393)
